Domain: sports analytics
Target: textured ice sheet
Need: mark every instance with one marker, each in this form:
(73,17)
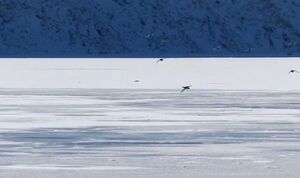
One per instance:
(148,133)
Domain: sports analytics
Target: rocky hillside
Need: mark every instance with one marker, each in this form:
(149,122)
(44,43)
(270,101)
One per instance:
(149,28)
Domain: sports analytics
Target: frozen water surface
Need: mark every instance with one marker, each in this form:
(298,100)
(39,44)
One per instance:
(149,133)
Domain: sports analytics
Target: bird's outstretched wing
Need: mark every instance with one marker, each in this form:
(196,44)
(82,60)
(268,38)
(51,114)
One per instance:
(182,90)
(159,60)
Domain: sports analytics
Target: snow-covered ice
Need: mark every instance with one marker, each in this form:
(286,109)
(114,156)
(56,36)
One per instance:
(76,118)
(232,74)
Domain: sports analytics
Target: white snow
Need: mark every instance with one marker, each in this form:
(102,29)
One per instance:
(59,118)
(233,74)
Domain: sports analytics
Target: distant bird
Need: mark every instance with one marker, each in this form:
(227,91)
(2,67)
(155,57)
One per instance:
(185,88)
(293,71)
(160,60)
(136,81)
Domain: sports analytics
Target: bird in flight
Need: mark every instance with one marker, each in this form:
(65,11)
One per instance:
(136,81)
(160,60)
(185,88)
(293,71)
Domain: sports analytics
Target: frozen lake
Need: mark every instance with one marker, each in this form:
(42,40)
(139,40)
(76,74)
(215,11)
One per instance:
(149,133)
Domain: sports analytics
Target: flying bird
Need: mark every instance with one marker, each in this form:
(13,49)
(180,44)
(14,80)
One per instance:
(185,88)
(160,60)
(293,71)
(136,81)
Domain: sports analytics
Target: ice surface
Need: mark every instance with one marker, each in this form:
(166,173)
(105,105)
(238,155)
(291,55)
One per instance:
(88,118)
(232,74)
(83,133)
